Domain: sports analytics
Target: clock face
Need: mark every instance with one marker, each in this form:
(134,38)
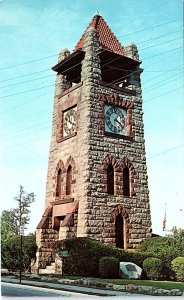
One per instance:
(69,122)
(115,119)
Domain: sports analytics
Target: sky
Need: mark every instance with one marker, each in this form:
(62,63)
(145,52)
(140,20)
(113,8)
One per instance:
(32,33)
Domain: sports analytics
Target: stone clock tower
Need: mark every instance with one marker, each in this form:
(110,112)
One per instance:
(97,184)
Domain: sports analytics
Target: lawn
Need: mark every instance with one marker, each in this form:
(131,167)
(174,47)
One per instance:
(169,285)
(160,284)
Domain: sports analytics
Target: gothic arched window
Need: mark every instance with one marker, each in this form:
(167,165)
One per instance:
(68,180)
(126,182)
(110,180)
(58,185)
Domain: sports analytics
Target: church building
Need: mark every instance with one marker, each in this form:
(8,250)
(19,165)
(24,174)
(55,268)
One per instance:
(97,183)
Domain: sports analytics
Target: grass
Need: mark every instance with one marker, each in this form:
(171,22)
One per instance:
(169,285)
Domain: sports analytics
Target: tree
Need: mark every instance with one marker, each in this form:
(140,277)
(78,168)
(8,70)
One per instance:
(8,225)
(11,222)
(178,233)
(10,253)
(21,214)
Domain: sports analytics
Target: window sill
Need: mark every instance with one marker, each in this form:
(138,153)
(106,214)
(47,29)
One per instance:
(120,136)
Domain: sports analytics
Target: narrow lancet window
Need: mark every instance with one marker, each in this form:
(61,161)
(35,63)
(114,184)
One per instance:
(58,186)
(68,180)
(110,180)
(119,234)
(126,182)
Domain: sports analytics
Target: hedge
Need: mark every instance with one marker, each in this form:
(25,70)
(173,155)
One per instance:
(85,253)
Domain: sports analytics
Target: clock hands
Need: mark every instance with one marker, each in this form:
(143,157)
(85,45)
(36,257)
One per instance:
(70,121)
(116,120)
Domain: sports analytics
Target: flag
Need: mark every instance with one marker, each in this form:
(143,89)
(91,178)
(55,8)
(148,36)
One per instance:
(164,223)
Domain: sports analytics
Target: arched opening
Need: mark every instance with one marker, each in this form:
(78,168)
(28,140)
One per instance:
(126,182)
(68,180)
(58,185)
(110,180)
(119,235)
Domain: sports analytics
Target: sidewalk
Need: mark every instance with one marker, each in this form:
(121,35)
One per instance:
(64,287)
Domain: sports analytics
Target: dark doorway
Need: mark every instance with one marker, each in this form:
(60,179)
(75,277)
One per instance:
(119,231)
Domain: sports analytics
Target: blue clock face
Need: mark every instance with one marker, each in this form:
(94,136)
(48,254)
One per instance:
(115,119)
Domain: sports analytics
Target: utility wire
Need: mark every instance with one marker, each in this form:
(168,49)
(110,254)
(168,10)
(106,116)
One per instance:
(160,84)
(38,59)
(25,75)
(144,91)
(158,37)
(15,84)
(27,129)
(32,90)
(78,64)
(30,80)
(54,75)
(158,76)
(29,116)
(171,50)
(146,14)
(25,102)
(166,151)
(147,28)
(168,92)
(161,43)
(28,62)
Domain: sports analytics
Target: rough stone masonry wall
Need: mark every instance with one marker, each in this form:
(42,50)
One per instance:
(101,206)
(76,147)
(45,239)
(61,151)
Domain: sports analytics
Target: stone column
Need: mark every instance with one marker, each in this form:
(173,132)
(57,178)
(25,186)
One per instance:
(61,85)
(90,74)
(141,214)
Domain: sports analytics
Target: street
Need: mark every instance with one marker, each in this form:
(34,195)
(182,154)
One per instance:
(17,290)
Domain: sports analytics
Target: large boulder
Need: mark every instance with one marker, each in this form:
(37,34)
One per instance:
(130,270)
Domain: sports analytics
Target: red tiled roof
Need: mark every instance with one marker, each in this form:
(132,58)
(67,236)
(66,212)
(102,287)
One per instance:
(107,38)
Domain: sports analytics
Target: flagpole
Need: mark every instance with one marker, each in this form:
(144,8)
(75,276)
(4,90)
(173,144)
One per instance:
(165,220)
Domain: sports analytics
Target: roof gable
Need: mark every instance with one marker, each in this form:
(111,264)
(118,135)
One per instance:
(107,38)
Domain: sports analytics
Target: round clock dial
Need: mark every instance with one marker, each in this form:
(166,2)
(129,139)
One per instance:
(115,119)
(69,124)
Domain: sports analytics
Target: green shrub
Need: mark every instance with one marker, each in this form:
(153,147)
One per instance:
(10,252)
(153,267)
(109,267)
(85,253)
(177,265)
(166,249)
